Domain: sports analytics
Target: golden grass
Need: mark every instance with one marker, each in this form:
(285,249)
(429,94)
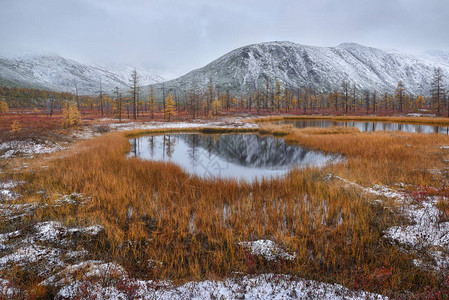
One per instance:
(443,121)
(193,225)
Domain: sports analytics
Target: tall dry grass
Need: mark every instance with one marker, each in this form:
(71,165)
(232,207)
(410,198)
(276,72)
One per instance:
(443,121)
(155,211)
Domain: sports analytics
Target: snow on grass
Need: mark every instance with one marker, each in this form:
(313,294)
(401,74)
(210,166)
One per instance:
(439,261)
(46,258)
(30,252)
(90,268)
(8,291)
(73,199)
(5,237)
(377,189)
(268,249)
(427,230)
(14,211)
(52,231)
(27,148)
(6,190)
(266,286)
(420,115)
(180,125)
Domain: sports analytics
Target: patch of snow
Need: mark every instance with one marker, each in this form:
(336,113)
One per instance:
(90,230)
(5,237)
(427,229)
(377,189)
(6,192)
(179,125)
(268,249)
(248,287)
(76,254)
(52,231)
(420,115)
(49,231)
(8,291)
(14,211)
(74,199)
(27,148)
(91,268)
(48,258)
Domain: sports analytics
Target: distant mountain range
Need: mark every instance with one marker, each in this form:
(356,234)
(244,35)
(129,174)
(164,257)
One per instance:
(243,70)
(57,73)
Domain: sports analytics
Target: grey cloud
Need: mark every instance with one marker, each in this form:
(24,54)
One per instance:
(182,35)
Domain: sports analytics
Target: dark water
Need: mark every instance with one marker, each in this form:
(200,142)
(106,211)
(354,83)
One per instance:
(239,156)
(368,126)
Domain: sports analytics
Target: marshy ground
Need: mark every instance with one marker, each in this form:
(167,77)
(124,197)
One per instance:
(82,220)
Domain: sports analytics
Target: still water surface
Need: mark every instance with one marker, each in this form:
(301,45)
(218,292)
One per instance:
(367,126)
(239,156)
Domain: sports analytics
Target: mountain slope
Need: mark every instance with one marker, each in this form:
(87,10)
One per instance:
(244,69)
(54,72)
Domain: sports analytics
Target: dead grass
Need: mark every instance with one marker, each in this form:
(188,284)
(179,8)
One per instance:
(155,211)
(443,121)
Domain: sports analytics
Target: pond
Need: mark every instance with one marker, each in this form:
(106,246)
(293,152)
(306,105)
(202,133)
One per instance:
(238,156)
(367,126)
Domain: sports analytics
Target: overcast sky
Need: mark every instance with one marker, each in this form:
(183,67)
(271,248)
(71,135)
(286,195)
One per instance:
(179,35)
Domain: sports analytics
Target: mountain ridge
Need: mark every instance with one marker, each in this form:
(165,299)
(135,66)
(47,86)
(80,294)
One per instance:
(243,70)
(54,72)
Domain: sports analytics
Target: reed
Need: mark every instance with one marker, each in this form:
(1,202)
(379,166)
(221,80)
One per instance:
(193,225)
(443,121)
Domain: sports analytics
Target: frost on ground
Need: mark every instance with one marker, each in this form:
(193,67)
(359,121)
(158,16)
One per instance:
(378,190)
(428,233)
(420,115)
(267,249)
(180,125)
(7,291)
(6,190)
(43,248)
(27,148)
(10,212)
(74,199)
(45,251)
(117,284)
(52,231)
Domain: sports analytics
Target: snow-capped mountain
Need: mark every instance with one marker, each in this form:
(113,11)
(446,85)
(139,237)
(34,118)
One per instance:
(122,71)
(246,69)
(57,73)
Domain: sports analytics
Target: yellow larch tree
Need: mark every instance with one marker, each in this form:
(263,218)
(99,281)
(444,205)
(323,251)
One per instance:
(71,116)
(3,106)
(170,109)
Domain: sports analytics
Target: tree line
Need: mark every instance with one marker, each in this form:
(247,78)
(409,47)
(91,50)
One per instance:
(212,101)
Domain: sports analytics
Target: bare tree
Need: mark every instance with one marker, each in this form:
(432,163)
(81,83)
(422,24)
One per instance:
(118,98)
(345,93)
(134,91)
(437,90)
(400,93)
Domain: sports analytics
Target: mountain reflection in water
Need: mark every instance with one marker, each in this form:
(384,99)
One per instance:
(239,156)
